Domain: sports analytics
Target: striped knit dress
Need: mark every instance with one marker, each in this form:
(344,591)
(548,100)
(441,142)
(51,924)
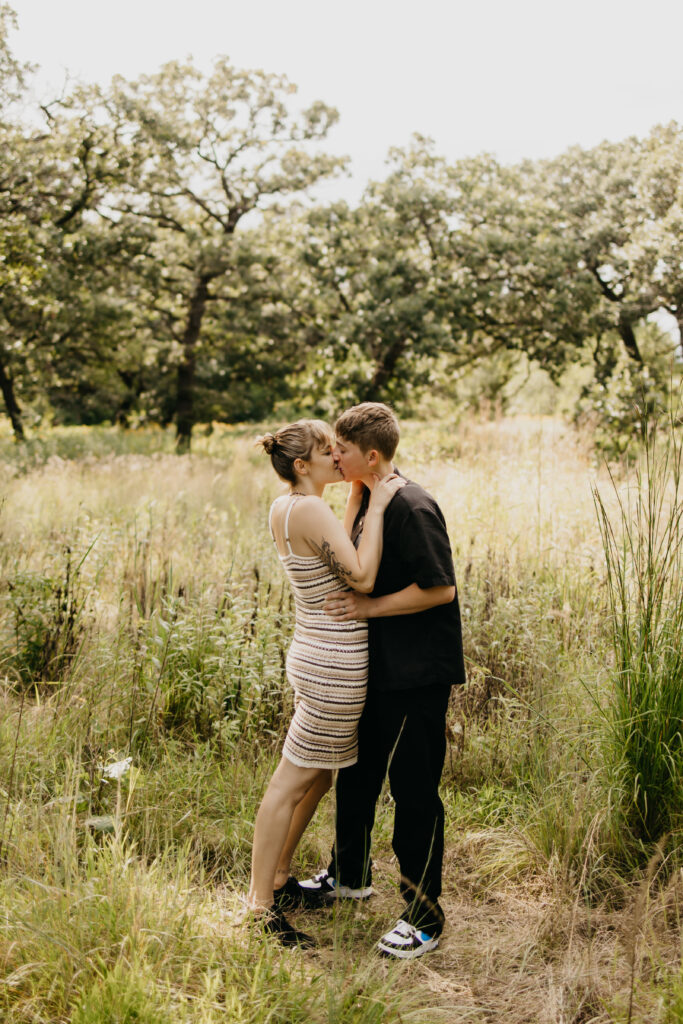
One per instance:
(327,666)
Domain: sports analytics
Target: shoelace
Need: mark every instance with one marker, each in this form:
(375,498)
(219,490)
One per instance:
(403,929)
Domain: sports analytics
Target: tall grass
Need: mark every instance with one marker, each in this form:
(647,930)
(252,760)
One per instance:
(118,941)
(122,895)
(643,548)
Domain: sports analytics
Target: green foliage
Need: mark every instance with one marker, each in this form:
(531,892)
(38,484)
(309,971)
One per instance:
(69,443)
(644,552)
(47,625)
(203,152)
(125,995)
(674,1008)
(151,272)
(220,669)
(623,397)
(128,797)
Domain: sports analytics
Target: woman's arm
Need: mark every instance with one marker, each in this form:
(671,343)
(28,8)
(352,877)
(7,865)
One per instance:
(314,523)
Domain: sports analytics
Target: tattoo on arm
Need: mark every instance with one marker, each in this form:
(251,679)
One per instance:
(330,559)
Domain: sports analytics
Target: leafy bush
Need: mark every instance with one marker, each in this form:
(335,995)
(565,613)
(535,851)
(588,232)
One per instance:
(623,399)
(220,669)
(48,628)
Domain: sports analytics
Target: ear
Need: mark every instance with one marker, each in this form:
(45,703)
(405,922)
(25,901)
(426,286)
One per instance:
(372,457)
(300,467)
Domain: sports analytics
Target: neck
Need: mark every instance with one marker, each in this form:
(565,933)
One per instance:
(307,488)
(382,469)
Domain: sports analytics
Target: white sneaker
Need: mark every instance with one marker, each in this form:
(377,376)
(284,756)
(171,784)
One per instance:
(326,886)
(405,942)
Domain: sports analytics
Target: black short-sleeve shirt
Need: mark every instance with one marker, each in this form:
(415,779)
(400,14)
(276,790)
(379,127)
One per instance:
(425,648)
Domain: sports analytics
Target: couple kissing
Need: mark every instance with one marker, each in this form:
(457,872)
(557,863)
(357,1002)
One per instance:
(377,646)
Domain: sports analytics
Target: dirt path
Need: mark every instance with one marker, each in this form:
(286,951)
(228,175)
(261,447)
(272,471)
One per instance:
(516,955)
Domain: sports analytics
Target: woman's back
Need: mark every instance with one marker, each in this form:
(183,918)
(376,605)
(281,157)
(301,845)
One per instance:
(310,577)
(327,662)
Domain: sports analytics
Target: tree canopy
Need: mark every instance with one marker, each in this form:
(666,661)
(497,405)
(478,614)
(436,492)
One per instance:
(157,261)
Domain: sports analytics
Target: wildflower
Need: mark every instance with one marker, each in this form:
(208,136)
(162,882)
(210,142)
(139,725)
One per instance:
(118,769)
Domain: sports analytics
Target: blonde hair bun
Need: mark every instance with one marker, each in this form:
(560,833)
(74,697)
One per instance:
(295,441)
(267,442)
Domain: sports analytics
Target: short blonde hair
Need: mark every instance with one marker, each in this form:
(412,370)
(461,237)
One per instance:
(295,441)
(370,425)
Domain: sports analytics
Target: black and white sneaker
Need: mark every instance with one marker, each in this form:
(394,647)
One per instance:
(405,942)
(324,885)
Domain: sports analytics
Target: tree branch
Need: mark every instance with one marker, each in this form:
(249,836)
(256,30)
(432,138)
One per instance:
(80,204)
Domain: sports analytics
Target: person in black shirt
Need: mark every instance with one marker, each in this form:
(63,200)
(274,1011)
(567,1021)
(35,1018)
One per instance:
(415,645)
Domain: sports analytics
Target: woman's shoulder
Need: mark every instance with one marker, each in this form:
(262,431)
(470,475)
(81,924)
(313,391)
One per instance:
(308,505)
(283,500)
(312,517)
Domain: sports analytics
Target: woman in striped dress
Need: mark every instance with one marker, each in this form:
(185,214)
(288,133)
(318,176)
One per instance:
(327,661)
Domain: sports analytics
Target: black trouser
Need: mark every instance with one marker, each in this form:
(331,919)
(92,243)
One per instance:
(403,730)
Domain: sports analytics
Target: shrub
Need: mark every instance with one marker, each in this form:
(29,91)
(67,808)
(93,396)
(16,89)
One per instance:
(644,557)
(48,629)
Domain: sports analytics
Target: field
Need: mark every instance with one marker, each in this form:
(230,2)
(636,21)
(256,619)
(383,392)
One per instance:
(143,616)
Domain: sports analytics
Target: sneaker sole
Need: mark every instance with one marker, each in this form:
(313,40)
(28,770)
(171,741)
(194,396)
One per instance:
(407,954)
(342,893)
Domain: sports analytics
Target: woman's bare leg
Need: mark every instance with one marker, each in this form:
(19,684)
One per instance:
(286,789)
(303,812)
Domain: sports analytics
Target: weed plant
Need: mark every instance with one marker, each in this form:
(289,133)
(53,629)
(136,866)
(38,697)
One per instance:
(47,622)
(644,558)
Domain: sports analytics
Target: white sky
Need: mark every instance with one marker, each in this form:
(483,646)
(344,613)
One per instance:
(518,78)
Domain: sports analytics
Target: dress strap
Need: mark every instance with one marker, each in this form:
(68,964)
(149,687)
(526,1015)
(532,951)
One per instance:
(270,521)
(295,498)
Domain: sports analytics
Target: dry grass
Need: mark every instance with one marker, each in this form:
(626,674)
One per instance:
(541,927)
(523,952)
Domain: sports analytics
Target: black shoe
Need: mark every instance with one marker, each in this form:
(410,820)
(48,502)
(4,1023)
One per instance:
(291,895)
(326,888)
(276,924)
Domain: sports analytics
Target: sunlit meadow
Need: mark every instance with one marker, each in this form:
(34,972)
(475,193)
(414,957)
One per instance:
(144,623)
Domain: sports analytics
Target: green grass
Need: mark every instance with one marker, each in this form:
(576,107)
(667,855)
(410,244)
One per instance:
(644,555)
(120,940)
(143,615)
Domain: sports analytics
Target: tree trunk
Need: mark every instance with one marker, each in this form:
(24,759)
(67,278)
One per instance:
(625,322)
(384,372)
(186,368)
(628,336)
(131,382)
(11,404)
